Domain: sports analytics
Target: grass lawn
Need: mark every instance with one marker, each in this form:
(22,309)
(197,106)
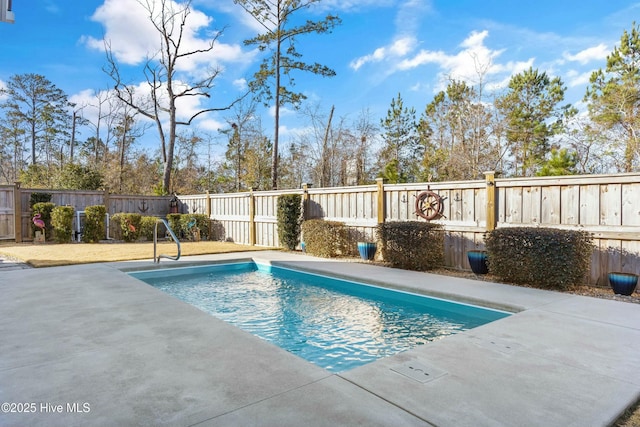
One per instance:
(52,254)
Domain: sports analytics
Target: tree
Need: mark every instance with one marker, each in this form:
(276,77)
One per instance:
(165,86)
(456,133)
(531,111)
(77,177)
(33,100)
(186,170)
(401,141)
(277,18)
(12,138)
(614,97)
(561,162)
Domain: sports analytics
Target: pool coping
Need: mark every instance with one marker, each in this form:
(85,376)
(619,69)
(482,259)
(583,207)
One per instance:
(93,334)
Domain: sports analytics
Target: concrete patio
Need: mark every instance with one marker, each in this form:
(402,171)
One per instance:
(91,346)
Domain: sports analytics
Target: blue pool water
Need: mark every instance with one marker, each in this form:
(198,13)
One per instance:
(333,323)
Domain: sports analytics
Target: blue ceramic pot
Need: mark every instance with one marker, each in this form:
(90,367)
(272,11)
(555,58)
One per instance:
(478,262)
(367,250)
(623,283)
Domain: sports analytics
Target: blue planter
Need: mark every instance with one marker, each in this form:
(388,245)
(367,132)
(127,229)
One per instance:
(623,283)
(367,250)
(478,262)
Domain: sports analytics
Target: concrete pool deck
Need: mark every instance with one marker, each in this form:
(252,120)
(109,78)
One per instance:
(89,345)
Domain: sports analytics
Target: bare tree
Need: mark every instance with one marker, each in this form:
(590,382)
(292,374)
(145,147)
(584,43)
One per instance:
(164,86)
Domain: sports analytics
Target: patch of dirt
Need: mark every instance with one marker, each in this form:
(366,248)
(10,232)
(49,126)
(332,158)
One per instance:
(589,291)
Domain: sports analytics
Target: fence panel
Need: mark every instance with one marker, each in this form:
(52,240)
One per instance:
(7,213)
(148,206)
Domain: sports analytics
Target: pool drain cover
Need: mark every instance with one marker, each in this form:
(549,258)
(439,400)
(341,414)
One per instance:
(419,372)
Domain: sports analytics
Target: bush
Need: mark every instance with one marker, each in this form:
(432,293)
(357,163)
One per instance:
(289,217)
(39,198)
(186,225)
(128,225)
(147,225)
(62,222)
(174,223)
(412,245)
(326,238)
(94,228)
(543,257)
(44,209)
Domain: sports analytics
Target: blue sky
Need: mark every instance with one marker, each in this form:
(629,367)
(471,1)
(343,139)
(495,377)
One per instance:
(382,48)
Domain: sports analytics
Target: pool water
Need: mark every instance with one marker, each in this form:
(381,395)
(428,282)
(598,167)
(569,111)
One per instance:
(336,324)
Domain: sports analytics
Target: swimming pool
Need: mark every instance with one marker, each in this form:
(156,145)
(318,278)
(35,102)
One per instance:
(334,323)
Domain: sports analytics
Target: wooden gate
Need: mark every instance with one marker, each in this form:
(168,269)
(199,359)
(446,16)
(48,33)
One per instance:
(7,213)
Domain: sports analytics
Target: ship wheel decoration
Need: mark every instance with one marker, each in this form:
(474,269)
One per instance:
(429,205)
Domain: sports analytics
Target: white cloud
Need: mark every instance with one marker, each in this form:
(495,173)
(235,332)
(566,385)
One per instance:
(133,38)
(595,53)
(240,84)
(212,125)
(395,50)
(467,64)
(576,78)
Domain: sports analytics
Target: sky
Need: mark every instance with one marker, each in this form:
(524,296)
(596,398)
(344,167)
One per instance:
(382,48)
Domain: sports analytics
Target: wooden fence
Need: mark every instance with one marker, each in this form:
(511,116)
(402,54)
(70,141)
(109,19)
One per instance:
(15,214)
(608,206)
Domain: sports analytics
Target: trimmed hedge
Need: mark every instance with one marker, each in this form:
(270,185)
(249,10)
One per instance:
(289,218)
(179,223)
(202,222)
(327,239)
(62,222)
(174,223)
(44,209)
(547,258)
(147,225)
(94,227)
(412,245)
(128,226)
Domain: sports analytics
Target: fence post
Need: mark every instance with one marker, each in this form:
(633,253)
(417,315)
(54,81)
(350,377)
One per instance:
(17,212)
(208,212)
(490,181)
(382,202)
(305,201)
(252,218)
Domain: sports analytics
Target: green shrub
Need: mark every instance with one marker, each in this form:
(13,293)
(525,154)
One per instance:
(94,227)
(174,223)
(128,225)
(187,225)
(289,218)
(326,238)
(412,245)
(39,198)
(548,258)
(147,225)
(43,209)
(62,222)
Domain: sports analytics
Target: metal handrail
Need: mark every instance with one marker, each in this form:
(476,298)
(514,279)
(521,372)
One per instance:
(155,242)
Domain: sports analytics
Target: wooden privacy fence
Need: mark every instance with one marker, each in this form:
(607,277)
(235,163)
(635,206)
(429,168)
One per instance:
(608,206)
(15,214)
